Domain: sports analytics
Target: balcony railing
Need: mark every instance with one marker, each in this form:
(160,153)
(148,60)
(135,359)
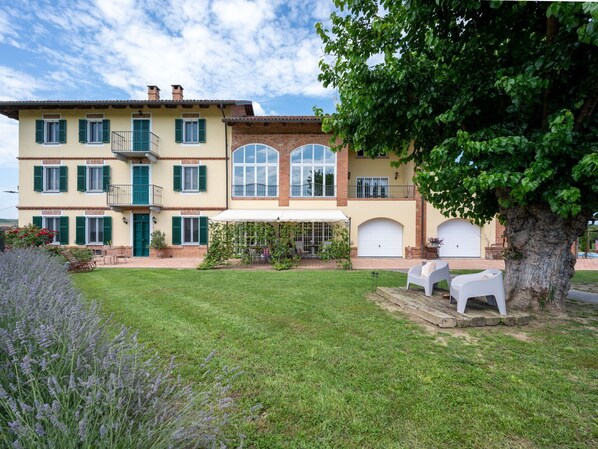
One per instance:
(313,191)
(381,191)
(128,144)
(255,191)
(120,196)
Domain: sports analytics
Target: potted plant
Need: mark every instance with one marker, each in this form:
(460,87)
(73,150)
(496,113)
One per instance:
(435,242)
(158,243)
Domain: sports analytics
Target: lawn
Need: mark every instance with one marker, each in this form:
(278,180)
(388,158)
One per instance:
(332,369)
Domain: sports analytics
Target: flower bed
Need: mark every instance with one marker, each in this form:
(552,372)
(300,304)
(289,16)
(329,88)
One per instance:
(66,381)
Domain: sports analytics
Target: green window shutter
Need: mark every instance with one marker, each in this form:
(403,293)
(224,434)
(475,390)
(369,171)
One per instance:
(106,131)
(202,130)
(106,177)
(61,131)
(38,178)
(176,230)
(64,231)
(63,179)
(203,230)
(80,231)
(37,221)
(39,131)
(82,131)
(107,230)
(203,178)
(177,181)
(81,178)
(178,130)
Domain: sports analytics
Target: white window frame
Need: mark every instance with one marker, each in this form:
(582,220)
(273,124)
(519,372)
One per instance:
(312,165)
(314,235)
(187,141)
(255,165)
(183,227)
(45,180)
(183,170)
(88,169)
(45,220)
(88,229)
(47,122)
(374,183)
(90,134)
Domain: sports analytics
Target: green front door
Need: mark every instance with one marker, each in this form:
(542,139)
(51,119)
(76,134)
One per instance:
(141,235)
(140,185)
(141,135)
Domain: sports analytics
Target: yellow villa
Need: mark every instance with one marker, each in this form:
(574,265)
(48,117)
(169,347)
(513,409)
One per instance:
(109,172)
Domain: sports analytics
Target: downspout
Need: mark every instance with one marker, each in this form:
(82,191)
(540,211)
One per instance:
(423,233)
(225,151)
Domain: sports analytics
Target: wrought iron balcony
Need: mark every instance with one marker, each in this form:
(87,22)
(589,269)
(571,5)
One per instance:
(255,191)
(368,191)
(133,144)
(128,196)
(313,190)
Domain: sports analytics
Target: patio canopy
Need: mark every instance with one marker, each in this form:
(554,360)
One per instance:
(281,216)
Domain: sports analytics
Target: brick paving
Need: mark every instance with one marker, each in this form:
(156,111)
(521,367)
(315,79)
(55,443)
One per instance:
(359,263)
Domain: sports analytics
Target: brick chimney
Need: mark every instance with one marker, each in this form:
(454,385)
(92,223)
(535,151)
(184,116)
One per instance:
(153,93)
(177,92)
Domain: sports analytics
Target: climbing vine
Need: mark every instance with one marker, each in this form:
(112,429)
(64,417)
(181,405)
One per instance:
(242,240)
(339,249)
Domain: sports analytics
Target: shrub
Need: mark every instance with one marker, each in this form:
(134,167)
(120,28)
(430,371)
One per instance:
(339,249)
(28,236)
(67,382)
(83,254)
(158,240)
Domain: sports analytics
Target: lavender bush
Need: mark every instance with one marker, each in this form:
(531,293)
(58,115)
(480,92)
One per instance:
(67,382)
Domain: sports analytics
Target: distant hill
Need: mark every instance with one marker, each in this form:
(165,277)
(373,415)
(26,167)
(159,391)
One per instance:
(8,222)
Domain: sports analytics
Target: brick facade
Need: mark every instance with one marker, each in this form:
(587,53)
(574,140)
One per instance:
(284,138)
(180,251)
(420,228)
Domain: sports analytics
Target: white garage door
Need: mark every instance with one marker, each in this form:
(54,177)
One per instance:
(380,238)
(461,239)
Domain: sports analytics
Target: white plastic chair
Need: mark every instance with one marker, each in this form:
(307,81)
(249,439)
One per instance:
(440,273)
(488,283)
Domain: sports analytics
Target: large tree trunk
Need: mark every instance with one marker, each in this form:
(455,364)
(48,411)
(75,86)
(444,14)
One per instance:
(539,262)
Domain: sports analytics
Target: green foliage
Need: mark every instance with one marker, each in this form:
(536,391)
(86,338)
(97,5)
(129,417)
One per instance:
(158,240)
(239,240)
(496,97)
(83,254)
(220,249)
(588,239)
(339,249)
(282,246)
(28,236)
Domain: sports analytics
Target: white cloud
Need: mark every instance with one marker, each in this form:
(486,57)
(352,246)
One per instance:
(9,143)
(258,109)
(214,48)
(14,85)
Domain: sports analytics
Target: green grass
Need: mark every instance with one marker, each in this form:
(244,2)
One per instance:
(585,277)
(333,370)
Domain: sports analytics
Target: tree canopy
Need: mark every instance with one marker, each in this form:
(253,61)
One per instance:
(497,98)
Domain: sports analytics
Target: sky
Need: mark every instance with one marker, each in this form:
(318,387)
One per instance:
(266,51)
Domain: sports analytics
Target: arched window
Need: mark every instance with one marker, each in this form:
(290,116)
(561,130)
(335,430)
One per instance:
(255,171)
(313,171)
